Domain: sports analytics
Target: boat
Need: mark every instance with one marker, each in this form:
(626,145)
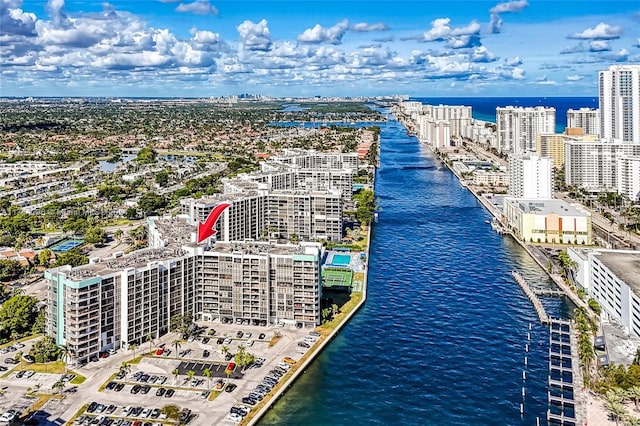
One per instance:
(487,221)
(375,217)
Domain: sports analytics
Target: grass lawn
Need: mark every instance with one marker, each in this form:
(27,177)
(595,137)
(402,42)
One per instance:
(344,311)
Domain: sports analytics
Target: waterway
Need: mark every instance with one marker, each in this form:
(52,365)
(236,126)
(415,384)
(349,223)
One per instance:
(441,339)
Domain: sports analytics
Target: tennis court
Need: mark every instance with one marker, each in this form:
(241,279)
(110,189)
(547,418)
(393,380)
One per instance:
(66,245)
(336,278)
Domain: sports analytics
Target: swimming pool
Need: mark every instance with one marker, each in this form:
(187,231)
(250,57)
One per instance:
(341,260)
(66,245)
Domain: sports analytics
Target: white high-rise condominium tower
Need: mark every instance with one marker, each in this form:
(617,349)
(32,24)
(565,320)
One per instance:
(518,127)
(587,119)
(530,176)
(619,95)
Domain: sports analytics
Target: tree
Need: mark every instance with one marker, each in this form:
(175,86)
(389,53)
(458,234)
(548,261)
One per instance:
(634,393)
(171,411)
(190,375)
(177,344)
(617,410)
(207,373)
(228,372)
(366,204)
(95,235)
(133,347)
(10,269)
(17,315)
(131,213)
(73,257)
(118,235)
(151,202)
(176,373)
(224,349)
(149,338)
(45,350)
(58,386)
(65,354)
(125,368)
(162,177)
(44,257)
(146,155)
(182,324)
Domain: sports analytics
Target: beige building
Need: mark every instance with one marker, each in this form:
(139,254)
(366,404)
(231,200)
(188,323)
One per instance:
(548,221)
(552,145)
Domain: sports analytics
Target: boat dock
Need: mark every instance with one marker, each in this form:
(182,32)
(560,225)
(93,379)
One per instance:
(564,373)
(544,319)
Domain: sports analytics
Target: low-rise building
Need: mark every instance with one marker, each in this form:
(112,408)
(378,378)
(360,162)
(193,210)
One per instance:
(548,221)
(611,278)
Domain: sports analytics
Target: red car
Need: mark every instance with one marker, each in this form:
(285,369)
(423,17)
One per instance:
(160,351)
(231,366)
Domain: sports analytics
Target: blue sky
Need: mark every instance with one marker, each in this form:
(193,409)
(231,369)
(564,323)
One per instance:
(202,48)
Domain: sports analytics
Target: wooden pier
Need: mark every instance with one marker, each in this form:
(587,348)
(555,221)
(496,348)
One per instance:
(564,375)
(544,319)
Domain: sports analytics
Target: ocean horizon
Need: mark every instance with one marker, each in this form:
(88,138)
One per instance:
(484,108)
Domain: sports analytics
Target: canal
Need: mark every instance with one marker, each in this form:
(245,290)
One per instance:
(441,339)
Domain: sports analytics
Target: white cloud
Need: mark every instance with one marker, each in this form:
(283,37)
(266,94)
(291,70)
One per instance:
(510,6)
(599,46)
(513,62)
(440,29)
(456,37)
(364,27)
(637,43)
(601,31)
(319,34)
(495,24)
(14,21)
(574,77)
(198,7)
(255,36)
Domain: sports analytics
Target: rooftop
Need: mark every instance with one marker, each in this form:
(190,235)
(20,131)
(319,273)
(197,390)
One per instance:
(625,264)
(546,207)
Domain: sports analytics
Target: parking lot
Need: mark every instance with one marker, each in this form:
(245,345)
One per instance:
(160,370)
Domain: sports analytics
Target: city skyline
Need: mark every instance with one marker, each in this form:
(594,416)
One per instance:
(202,48)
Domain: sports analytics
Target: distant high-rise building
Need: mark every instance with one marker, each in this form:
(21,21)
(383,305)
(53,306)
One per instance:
(629,177)
(530,176)
(587,119)
(619,96)
(594,164)
(518,127)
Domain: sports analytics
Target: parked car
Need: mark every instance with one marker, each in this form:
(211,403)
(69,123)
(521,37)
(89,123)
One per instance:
(205,354)
(220,340)
(227,341)
(206,340)
(249,343)
(159,351)
(28,358)
(145,389)
(18,345)
(135,389)
(119,387)
(10,361)
(303,344)
(204,394)
(239,334)
(262,336)
(169,393)
(92,407)
(230,387)
(160,391)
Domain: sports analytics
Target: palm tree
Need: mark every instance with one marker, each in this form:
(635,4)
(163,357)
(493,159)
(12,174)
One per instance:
(176,373)
(64,356)
(177,344)
(59,386)
(634,393)
(149,339)
(617,410)
(125,368)
(133,347)
(224,349)
(190,375)
(207,373)
(631,421)
(228,373)
(118,235)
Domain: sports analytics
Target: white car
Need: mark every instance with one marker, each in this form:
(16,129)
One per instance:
(235,418)
(247,334)
(8,417)
(249,343)
(18,345)
(227,341)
